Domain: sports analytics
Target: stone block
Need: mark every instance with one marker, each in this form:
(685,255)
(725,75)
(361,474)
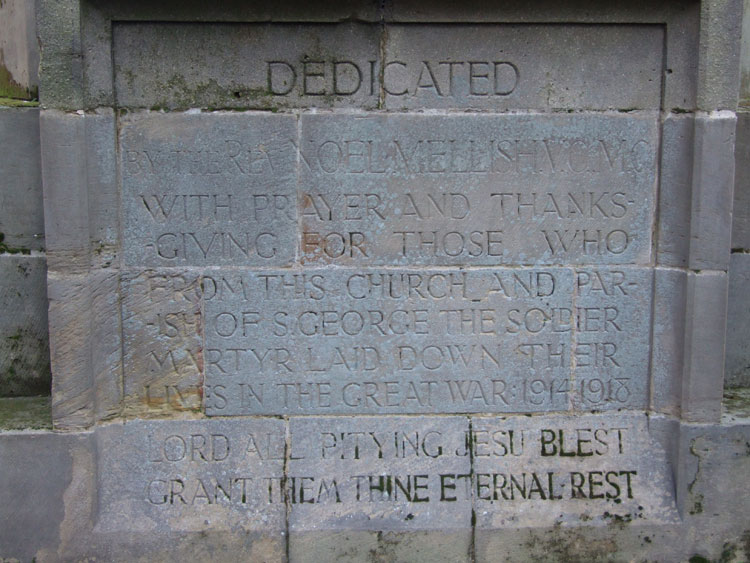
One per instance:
(719,54)
(713,187)
(175,475)
(561,470)
(675,190)
(35,472)
(705,331)
(424,341)
(737,363)
(477,189)
(246,65)
(208,190)
(60,67)
(391,486)
(66,204)
(741,209)
(24,343)
(162,342)
(522,66)
(668,340)
(21,209)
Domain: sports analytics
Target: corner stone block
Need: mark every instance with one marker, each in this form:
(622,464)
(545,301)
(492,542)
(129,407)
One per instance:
(70,350)
(675,190)
(390,485)
(668,340)
(162,342)
(713,186)
(705,330)
(66,204)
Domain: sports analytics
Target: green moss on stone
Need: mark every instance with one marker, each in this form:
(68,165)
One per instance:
(25,413)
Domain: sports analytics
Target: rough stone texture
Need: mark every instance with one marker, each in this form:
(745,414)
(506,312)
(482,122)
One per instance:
(188,475)
(209,190)
(477,189)
(705,331)
(719,55)
(24,344)
(668,341)
(66,202)
(713,186)
(60,68)
(522,66)
(741,210)
(162,342)
(737,369)
(675,189)
(267,66)
(501,340)
(21,212)
(563,470)
(19,52)
(375,477)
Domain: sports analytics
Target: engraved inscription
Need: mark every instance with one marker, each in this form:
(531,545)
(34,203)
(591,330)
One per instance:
(208,190)
(514,340)
(391,66)
(476,189)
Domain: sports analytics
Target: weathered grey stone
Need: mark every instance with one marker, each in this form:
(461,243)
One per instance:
(564,470)
(737,367)
(668,340)
(713,183)
(675,189)
(374,476)
(741,209)
(376,341)
(719,54)
(184,476)
(35,471)
(21,210)
(522,66)
(24,344)
(61,54)
(66,203)
(681,21)
(246,65)
(85,347)
(705,330)
(162,342)
(477,189)
(208,190)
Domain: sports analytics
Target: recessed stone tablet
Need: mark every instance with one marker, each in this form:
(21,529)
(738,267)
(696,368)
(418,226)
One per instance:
(204,190)
(477,189)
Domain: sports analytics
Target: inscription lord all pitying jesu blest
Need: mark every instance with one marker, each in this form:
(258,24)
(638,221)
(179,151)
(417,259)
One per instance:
(371,473)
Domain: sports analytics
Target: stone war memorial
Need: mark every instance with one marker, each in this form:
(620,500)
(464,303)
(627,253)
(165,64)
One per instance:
(385,281)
